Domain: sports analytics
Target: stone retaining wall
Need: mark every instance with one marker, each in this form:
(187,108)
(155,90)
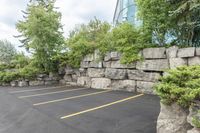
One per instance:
(140,76)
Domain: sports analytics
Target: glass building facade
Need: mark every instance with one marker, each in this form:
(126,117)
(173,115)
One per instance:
(126,10)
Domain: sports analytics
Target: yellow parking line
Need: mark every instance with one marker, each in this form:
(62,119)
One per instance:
(100,107)
(69,98)
(50,93)
(30,90)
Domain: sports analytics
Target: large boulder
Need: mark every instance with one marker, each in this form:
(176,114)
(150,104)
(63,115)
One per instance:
(84,81)
(89,57)
(145,87)
(128,85)
(172,119)
(172,52)
(194,61)
(186,52)
(117,64)
(194,114)
(84,64)
(23,83)
(154,53)
(197,51)
(116,73)
(101,83)
(112,56)
(14,83)
(36,83)
(68,78)
(143,76)
(153,65)
(177,62)
(96,73)
(194,130)
(96,64)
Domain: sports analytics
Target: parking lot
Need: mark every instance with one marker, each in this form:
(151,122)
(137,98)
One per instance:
(83,110)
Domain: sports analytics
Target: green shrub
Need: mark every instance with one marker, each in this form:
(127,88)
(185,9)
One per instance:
(180,86)
(7,77)
(196,122)
(29,72)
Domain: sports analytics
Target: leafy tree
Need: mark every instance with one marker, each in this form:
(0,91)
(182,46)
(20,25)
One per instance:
(185,14)
(156,20)
(84,39)
(42,31)
(7,51)
(129,41)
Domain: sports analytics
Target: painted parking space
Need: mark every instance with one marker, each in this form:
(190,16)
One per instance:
(95,111)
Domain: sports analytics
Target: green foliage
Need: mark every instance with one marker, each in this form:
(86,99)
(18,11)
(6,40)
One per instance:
(20,61)
(196,122)
(126,39)
(84,40)
(181,85)
(7,77)
(7,51)
(29,72)
(185,14)
(42,30)
(156,20)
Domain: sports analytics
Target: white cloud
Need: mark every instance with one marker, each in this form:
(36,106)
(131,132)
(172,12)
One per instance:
(73,12)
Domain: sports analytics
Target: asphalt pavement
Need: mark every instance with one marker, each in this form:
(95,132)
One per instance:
(73,109)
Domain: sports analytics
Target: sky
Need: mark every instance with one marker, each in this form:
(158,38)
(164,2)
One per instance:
(73,12)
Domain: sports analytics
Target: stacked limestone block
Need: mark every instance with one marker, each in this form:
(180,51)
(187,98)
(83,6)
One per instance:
(141,76)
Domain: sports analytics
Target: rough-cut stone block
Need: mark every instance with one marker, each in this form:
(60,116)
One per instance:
(194,130)
(69,71)
(197,51)
(83,72)
(194,61)
(54,76)
(143,76)
(62,82)
(97,55)
(51,82)
(172,52)
(128,85)
(22,83)
(177,62)
(116,73)
(107,64)
(145,87)
(74,78)
(96,73)
(36,83)
(6,84)
(61,71)
(172,119)
(89,57)
(84,81)
(42,75)
(186,52)
(117,64)
(68,78)
(95,64)
(194,113)
(14,83)
(153,65)
(84,64)
(112,56)
(154,53)
(101,83)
